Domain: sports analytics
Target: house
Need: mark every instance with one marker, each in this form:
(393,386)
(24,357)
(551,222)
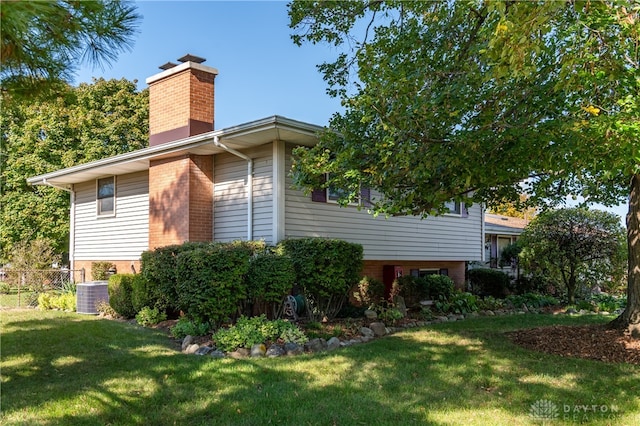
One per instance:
(198,183)
(500,232)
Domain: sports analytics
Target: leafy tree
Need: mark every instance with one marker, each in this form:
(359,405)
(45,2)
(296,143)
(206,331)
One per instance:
(85,123)
(43,41)
(481,100)
(573,246)
(518,209)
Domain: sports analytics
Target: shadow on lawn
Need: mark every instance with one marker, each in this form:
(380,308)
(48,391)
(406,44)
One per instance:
(67,369)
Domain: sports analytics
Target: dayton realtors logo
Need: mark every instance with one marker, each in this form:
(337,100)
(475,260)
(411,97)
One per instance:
(545,410)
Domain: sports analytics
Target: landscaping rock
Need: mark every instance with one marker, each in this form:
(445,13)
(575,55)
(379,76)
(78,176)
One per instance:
(258,351)
(239,353)
(571,311)
(401,305)
(186,342)
(378,328)
(490,313)
(315,345)
(216,354)
(333,343)
(275,351)
(366,332)
(370,314)
(203,350)
(191,349)
(293,349)
(442,319)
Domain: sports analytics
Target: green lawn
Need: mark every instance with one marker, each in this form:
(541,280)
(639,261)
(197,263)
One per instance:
(62,368)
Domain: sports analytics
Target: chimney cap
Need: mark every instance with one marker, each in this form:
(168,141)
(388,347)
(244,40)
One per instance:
(192,58)
(167,66)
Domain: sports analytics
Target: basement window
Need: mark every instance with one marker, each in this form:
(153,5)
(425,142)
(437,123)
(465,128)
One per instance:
(106,196)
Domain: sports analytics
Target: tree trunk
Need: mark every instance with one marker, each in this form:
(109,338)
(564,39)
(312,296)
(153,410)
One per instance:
(630,318)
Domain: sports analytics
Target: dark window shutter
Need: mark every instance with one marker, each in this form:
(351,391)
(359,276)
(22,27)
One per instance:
(319,195)
(365,196)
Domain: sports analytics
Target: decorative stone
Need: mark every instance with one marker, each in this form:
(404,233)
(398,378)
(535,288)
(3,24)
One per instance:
(378,328)
(442,319)
(401,305)
(216,353)
(239,353)
(186,342)
(191,349)
(472,315)
(258,350)
(370,314)
(315,345)
(571,311)
(293,349)
(490,313)
(333,343)
(366,332)
(604,313)
(203,350)
(275,351)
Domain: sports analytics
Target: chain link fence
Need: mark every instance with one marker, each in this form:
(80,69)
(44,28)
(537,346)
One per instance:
(20,288)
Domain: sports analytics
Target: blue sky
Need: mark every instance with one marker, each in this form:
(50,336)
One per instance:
(261,72)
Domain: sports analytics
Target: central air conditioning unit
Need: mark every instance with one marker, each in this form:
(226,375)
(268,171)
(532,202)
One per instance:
(89,295)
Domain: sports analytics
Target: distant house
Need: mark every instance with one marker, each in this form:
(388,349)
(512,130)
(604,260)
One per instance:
(196,183)
(500,232)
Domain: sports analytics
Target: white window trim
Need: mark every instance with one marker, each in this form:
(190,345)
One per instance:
(115,196)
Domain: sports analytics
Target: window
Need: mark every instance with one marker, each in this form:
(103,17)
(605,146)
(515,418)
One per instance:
(106,196)
(333,194)
(454,207)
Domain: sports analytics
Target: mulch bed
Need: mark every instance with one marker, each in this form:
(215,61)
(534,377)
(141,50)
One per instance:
(590,342)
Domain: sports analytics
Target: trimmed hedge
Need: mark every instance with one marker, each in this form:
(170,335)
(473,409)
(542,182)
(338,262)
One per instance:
(119,288)
(326,269)
(429,287)
(489,282)
(270,278)
(210,280)
(159,268)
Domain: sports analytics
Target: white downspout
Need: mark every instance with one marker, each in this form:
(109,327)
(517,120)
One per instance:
(249,160)
(72,220)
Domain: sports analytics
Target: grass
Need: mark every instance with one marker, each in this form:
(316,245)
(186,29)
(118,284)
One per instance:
(63,368)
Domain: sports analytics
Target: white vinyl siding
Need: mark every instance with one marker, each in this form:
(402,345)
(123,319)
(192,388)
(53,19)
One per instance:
(123,236)
(230,196)
(443,238)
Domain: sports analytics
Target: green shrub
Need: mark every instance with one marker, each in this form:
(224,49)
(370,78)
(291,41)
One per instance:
(103,307)
(429,287)
(142,294)
(489,282)
(100,270)
(251,331)
(269,279)
(531,300)
(5,288)
(210,281)
(44,301)
(159,268)
(187,327)
(387,314)
(150,316)
(119,287)
(326,269)
(459,303)
(64,301)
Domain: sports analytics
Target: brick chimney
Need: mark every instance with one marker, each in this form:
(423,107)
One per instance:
(181,104)
(181,100)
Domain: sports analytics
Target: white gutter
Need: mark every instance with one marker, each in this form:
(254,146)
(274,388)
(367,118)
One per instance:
(72,220)
(249,160)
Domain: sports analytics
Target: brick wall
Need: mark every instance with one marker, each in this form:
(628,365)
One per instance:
(122,266)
